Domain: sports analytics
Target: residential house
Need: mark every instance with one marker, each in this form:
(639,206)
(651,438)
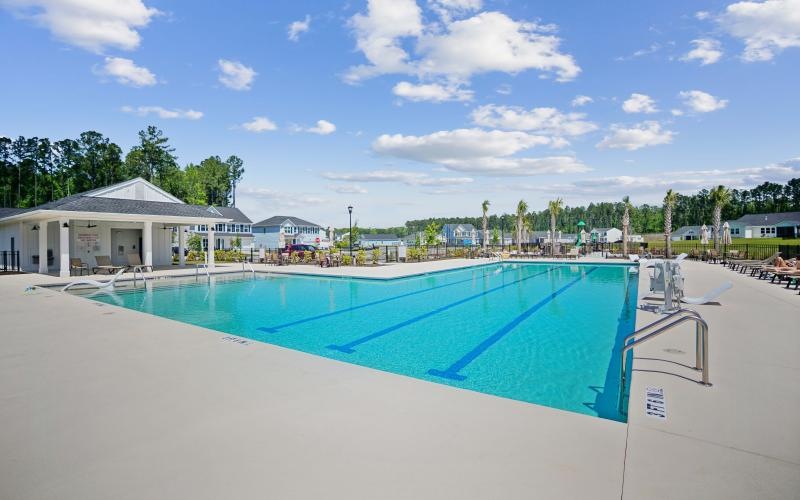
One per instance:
(460,234)
(775,225)
(281,230)
(131,217)
(605,235)
(378,240)
(225,234)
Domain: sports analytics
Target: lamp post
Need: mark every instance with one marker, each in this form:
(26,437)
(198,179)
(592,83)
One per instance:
(350,234)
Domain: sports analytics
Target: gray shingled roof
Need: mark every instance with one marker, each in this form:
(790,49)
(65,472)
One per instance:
(277,220)
(233,213)
(378,237)
(768,219)
(8,212)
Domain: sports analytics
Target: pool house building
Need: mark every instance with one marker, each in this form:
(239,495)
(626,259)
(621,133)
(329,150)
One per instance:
(131,217)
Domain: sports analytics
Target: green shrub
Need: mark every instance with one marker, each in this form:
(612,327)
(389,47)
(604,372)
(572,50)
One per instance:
(361,257)
(294,258)
(347,260)
(376,255)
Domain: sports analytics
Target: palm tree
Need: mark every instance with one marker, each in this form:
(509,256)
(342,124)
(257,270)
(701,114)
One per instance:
(522,209)
(626,222)
(720,196)
(555,207)
(669,203)
(485,208)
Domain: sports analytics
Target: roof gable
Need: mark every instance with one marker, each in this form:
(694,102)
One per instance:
(134,189)
(279,220)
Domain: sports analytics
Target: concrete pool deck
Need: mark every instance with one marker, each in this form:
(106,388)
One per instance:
(104,402)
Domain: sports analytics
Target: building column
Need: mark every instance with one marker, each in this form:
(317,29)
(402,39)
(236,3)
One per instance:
(43,247)
(63,244)
(181,246)
(147,243)
(211,245)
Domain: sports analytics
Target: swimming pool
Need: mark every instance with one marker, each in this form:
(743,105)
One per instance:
(543,333)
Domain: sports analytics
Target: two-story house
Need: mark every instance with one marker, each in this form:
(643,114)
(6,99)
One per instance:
(225,234)
(281,230)
(459,234)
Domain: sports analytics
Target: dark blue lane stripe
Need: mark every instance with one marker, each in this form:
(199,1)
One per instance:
(274,329)
(452,371)
(348,348)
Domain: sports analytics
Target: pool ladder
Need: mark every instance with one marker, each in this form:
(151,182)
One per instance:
(663,325)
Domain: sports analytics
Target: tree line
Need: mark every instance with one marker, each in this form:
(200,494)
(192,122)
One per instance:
(37,170)
(688,210)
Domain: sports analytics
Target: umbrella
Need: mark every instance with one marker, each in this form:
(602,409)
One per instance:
(704,235)
(726,234)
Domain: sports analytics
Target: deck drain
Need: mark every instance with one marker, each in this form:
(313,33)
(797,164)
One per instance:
(672,350)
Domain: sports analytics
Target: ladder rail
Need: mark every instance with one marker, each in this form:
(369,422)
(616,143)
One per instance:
(701,345)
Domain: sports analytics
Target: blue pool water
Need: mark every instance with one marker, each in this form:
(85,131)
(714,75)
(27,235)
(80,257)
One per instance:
(548,334)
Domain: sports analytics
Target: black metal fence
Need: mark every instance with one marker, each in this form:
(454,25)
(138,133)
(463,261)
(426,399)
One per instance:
(9,261)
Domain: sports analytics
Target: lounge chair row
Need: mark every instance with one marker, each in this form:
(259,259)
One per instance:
(773,268)
(104,265)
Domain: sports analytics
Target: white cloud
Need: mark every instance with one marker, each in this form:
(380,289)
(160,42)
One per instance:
(706,50)
(478,151)
(639,103)
(259,124)
(348,189)
(236,75)
(398,176)
(676,112)
(277,198)
(432,92)
(701,102)
(378,35)
(455,51)
(652,49)
(167,114)
(298,27)
(766,28)
(93,25)
(504,89)
(545,120)
(581,100)
(638,136)
(126,72)
(323,127)
(702,15)
(686,181)
(447,9)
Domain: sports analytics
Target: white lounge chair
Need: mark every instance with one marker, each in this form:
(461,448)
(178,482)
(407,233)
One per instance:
(99,284)
(711,296)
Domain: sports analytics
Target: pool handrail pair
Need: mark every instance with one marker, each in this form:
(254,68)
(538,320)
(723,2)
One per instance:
(667,323)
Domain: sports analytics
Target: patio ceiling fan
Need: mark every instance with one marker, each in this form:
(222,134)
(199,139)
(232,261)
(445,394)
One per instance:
(89,225)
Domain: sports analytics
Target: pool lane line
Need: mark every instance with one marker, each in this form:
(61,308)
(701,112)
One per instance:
(274,329)
(451,372)
(348,348)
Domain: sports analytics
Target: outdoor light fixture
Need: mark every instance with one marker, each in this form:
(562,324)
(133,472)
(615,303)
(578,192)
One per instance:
(350,235)
(65,225)
(35,227)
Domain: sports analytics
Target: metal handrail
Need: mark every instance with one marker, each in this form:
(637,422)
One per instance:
(701,346)
(248,265)
(669,317)
(197,270)
(140,271)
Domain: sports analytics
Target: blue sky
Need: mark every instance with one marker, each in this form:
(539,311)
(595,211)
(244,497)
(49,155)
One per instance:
(411,109)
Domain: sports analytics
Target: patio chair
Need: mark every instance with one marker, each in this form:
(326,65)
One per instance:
(135,262)
(77,265)
(104,264)
(711,296)
(95,283)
